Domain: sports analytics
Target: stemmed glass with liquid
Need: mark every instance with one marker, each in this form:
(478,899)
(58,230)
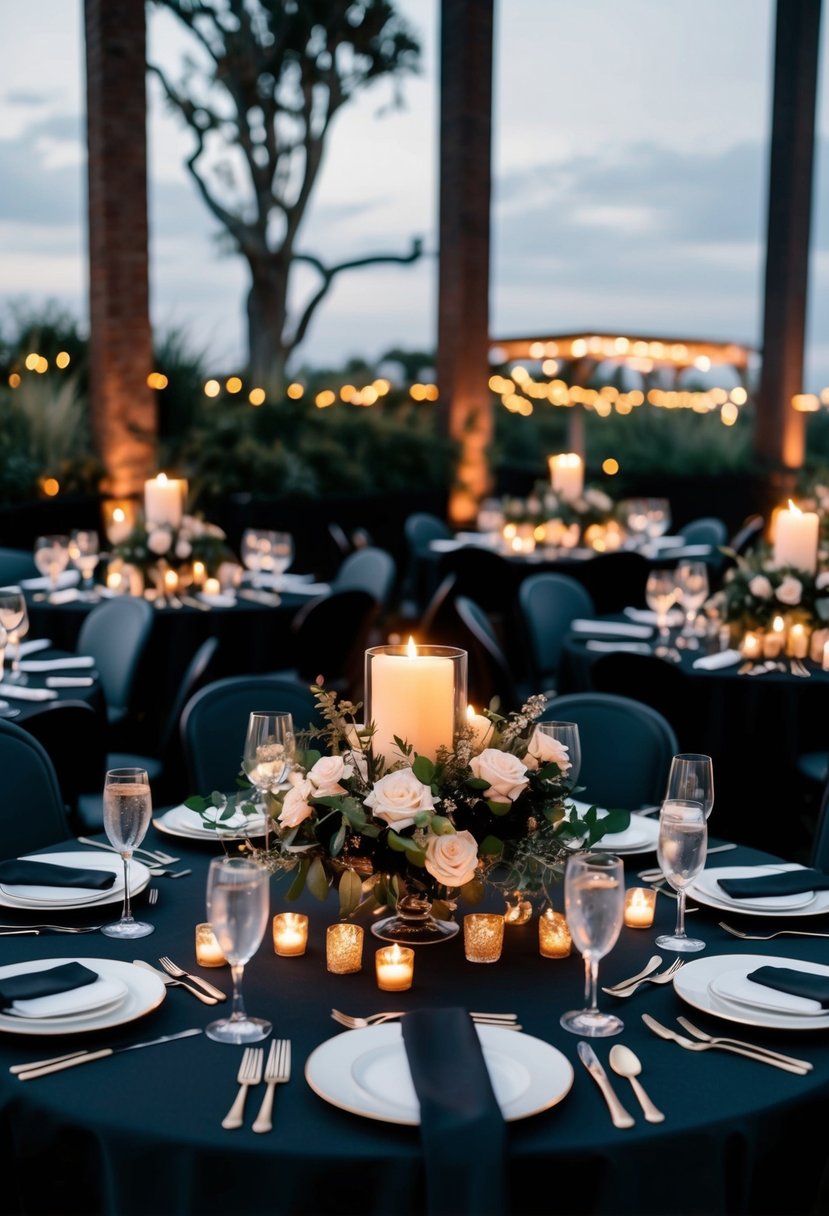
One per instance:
(594,894)
(14,618)
(692,591)
(250,552)
(51,556)
(268,754)
(658,512)
(661,594)
(127,810)
(276,554)
(680,850)
(691,777)
(237,908)
(84,554)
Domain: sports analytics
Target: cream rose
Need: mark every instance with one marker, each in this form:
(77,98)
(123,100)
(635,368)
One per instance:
(397,798)
(822,580)
(296,805)
(790,591)
(327,773)
(506,774)
(452,859)
(159,541)
(760,587)
(544,749)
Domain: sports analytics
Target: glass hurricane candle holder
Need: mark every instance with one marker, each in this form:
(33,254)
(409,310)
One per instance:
(344,948)
(290,933)
(483,937)
(394,967)
(640,905)
(554,940)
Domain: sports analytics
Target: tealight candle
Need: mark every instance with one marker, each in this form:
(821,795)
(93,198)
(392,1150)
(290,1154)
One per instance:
(344,948)
(640,904)
(797,643)
(554,940)
(394,966)
(751,646)
(119,519)
(290,933)
(212,586)
(208,951)
(825,663)
(774,639)
(483,937)
(199,573)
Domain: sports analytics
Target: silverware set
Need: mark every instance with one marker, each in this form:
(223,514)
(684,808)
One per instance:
(154,857)
(795,666)
(174,976)
(656,875)
(252,1071)
(627,987)
(706,1042)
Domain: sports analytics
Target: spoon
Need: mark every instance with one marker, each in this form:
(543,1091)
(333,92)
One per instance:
(626,1063)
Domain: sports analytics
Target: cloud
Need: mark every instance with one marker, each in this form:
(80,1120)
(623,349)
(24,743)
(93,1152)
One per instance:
(27,97)
(36,192)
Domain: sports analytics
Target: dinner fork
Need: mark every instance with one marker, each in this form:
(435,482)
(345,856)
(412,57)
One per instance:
(250,1073)
(179,973)
(507,1020)
(751,1053)
(766,937)
(661,977)
(277,1071)
(766,1051)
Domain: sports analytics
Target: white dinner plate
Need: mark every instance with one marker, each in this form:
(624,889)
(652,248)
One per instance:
(693,983)
(145,991)
(367,1073)
(815,906)
(735,986)
(77,897)
(181,821)
(640,836)
(73,1004)
(708,882)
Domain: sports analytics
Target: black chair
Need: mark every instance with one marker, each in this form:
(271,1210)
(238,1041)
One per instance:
(116,634)
(485,577)
(626,747)
(419,530)
(33,809)
(748,535)
(707,530)
(329,639)
(819,856)
(662,685)
(615,581)
(548,603)
(489,676)
(368,569)
(73,735)
(16,564)
(215,721)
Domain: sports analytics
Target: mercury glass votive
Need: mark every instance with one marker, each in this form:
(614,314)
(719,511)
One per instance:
(483,937)
(640,905)
(344,948)
(208,950)
(290,933)
(554,940)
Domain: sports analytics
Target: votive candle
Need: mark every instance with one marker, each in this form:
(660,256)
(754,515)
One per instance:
(483,937)
(344,948)
(774,639)
(212,586)
(797,643)
(825,656)
(554,940)
(640,904)
(752,645)
(208,951)
(290,933)
(394,967)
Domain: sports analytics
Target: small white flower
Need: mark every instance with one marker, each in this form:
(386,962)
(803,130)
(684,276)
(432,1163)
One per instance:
(325,776)
(790,591)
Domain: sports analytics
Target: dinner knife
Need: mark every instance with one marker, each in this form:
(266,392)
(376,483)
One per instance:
(590,1060)
(172,981)
(88,1056)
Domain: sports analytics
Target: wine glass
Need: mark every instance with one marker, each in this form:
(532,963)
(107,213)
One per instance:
(14,618)
(276,554)
(594,892)
(661,593)
(692,587)
(658,512)
(680,850)
(51,556)
(84,554)
(691,777)
(566,733)
(268,753)
(127,811)
(237,908)
(635,511)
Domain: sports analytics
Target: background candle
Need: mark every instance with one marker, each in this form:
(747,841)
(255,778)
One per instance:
(481,728)
(164,500)
(554,940)
(567,474)
(119,520)
(796,538)
(394,967)
(208,951)
(290,933)
(344,948)
(751,647)
(640,904)
(774,639)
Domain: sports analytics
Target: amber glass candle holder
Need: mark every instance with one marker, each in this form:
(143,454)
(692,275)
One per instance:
(483,937)
(344,948)
(554,940)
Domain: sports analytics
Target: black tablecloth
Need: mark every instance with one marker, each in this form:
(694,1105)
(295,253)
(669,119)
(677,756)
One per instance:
(140,1132)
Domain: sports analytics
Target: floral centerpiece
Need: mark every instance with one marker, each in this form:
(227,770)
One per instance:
(151,547)
(755,590)
(492,809)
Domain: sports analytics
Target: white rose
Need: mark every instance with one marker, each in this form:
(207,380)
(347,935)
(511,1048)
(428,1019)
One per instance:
(397,798)
(159,540)
(183,549)
(327,773)
(295,805)
(452,859)
(822,580)
(790,591)
(760,587)
(544,749)
(506,774)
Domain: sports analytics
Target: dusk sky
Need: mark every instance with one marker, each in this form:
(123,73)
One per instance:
(630,162)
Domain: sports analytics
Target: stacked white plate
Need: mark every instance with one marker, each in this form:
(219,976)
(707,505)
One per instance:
(121,994)
(705,889)
(639,837)
(42,898)
(181,821)
(720,985)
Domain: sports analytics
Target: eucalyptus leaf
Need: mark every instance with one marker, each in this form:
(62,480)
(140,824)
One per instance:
(298,885)
(338,839)
(491,846)
(317,880)
(350,892)
(197,803)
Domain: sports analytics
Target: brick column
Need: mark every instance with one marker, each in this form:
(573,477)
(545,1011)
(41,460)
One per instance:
(464,224)
(124,416)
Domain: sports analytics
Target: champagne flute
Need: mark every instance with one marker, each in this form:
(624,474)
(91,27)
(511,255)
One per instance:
(594,891)
(84,554)
(127,811)
(268,753)
(693,588)
(680,850)
(237,908)
(691,777)
(51,556)
(14,618)
(567,733)
(660,593)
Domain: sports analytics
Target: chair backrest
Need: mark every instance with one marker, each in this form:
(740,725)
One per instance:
(33,812)
(663,686)
(820,843)
(116,634)
(368,569)
(489,673)
(16,564)
(421,527)
(749,533)
(484,576)
(195,675)
(548,603)
(330,635)
(614,580)
(215,720)
(626,747)
(73,734)
(707,530)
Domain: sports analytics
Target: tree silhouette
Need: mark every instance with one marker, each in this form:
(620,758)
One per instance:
(270,78)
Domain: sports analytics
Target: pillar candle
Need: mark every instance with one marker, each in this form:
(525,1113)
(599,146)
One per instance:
(412,696)
(394,967)
(567,474)
(164,501)
(751,646)
(797,643)
(796,538)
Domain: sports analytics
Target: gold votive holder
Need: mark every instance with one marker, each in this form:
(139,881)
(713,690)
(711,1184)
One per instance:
(344,948)
(640,905)
(483,937)
(554,940)
(394,968)
(290,933)
(208,950)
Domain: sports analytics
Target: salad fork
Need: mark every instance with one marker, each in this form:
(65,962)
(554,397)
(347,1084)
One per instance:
(250,1073)
(661,977)
(766,937)
(277,1072)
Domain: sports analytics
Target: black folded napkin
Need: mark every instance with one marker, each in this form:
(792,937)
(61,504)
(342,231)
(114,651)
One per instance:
(786,882)
(31,984)
(797,983)
(462,1129)
(18,873)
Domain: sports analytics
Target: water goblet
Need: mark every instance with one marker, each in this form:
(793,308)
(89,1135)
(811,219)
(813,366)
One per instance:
(237,908)
(51,556)
(692,587)
(127,811)
(567,734)
(660,594)
(84,554)
(594,896)
(268,753)
(250,552)
(691,777)
(658,511)
(680,850)
(276,554)
(14,618)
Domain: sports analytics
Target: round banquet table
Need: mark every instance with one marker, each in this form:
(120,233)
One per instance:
(140,1132)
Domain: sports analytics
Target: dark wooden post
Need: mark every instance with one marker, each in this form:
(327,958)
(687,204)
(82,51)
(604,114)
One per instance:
(780,432)
(120,343)
(464,223)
